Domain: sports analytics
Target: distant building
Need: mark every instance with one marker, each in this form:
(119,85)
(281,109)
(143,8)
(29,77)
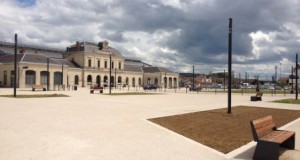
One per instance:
(186,79)
(82,64)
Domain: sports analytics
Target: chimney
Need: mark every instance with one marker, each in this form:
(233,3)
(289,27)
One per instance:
(100,45)
(77,46)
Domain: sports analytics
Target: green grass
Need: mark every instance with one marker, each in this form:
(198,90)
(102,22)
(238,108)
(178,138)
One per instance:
(35,96)
(288,101)
(249,91)
(131,93)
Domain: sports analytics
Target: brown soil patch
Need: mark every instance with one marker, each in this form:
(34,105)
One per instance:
(221,131)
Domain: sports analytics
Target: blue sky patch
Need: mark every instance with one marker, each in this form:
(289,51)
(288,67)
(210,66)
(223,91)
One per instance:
(27,2)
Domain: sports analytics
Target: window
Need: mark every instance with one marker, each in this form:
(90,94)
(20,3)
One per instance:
(43,75)
(98,64)
(57,78)
(120,65)
(105,64)
(5,78)
(76,79)
(90,63)
(112,65)
(89,79)
(30,77)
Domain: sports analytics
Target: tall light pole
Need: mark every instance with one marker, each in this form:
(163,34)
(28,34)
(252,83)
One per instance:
(15,66)
(115,78)
(292,88)
(48,74)
(224,80)
(280,71)
(297,76)
(110,72)
(229,64)
(193,77)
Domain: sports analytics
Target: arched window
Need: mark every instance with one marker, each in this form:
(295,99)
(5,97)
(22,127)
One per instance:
(165,82)
(76,80)
(89,79)
(44,78)
(105,81)
(140,81)
(57,78)
(148,81)
(170,82)
(119,80)
(112,81)
(5,78)
(127,81)
(156,81)
(98,80)
(30,77)
(175,82)
(133,82)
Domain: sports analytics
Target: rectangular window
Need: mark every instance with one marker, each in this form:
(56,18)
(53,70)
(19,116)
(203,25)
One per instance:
(98,64)
(105,64)
(112,65)
(90,63)
(120,65)
(5,78)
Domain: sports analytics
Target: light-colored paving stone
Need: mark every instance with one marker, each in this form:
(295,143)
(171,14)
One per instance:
(94,126)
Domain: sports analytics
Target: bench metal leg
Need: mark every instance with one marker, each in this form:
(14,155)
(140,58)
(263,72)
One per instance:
(266,151)
(289,143)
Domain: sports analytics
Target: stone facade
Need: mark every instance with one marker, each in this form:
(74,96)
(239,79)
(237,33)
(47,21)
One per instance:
(82,64)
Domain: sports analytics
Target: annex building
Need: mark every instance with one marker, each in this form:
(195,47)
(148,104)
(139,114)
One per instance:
(82,64)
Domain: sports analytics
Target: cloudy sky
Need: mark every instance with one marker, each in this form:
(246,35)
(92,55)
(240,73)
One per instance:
(169,33)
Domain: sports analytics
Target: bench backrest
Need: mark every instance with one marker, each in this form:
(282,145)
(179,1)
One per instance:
(261,127)
(38,86)
(259,94)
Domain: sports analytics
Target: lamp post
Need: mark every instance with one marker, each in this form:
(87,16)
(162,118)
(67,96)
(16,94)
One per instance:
(166,80)
(15,66)
(229,64)
(280,71)
(110,72)
(224,80)
(297,76)
(292,88)
(48,74)
(193,77)
(115,78)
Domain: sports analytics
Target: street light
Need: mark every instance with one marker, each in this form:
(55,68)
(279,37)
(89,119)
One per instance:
(280,71)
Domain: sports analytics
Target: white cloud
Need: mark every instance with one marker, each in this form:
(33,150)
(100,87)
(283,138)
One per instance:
(147,28)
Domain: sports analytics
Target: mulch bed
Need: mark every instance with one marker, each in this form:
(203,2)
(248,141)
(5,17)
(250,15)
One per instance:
(221,131)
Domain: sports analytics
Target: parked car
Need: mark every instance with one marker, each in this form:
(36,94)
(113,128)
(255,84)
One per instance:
(150,87)
(196,88)
(278,88)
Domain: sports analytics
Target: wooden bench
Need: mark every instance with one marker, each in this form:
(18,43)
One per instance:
(257,97)
(35,87)
(269,139)
(95,88)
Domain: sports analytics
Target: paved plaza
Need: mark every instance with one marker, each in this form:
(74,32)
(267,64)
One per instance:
(88,126)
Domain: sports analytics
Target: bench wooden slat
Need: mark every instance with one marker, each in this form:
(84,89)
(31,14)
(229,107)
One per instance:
(278,136)
(264,126)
